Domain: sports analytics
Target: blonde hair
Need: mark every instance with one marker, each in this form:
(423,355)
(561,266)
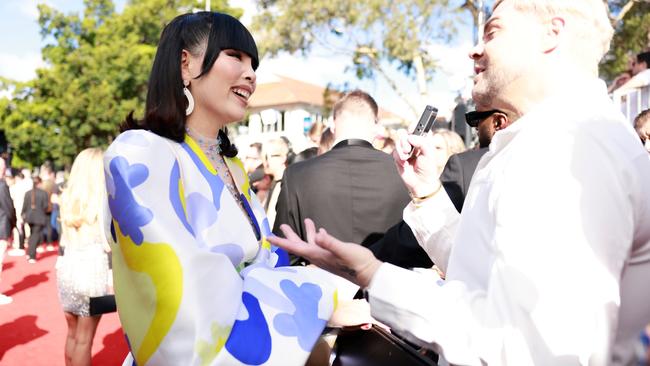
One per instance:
(357,102)
(275,144)
(453,140)
(592,30)
(85,192)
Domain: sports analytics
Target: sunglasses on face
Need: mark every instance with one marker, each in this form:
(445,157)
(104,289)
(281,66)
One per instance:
(475,117)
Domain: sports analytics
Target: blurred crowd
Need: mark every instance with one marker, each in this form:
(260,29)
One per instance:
(34,226)
(266,161)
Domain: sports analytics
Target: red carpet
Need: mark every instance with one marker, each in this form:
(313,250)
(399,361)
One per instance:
(33,328)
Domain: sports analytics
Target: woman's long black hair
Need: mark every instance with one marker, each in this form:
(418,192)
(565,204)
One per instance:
(165,107)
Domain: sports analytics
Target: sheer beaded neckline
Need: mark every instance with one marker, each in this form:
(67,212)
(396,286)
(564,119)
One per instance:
(207,144)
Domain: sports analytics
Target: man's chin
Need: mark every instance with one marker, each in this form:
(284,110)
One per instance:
(479,94)
(483,98)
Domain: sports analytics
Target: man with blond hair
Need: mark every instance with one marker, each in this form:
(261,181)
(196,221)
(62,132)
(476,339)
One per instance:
(549,261)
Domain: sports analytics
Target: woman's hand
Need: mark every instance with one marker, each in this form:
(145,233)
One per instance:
(350,261)
(418,167)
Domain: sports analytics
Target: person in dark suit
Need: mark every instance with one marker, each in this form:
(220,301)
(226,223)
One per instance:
(458,174)
(7,211)
(460,168)
(7,220)
(399,246)
(34,213)
(353,190)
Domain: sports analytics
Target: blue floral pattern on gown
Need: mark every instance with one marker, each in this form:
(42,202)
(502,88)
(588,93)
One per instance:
(195,282)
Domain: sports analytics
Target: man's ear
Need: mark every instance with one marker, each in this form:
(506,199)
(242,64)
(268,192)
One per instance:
(553,31)
(501,121)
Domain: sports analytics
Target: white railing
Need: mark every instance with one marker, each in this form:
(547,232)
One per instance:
(633,102)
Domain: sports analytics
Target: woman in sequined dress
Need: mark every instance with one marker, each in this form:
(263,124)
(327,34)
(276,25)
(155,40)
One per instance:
(196,280)
(82,272)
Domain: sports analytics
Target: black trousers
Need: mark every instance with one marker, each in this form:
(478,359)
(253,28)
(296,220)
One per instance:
(21,234)
(35,238)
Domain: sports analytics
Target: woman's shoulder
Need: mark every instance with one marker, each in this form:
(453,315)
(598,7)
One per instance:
(140,142)
(138,138)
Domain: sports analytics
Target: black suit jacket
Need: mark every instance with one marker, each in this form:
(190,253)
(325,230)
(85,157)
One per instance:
(36,215)
(458,174)
(353,191)
(399,245)
(7,211)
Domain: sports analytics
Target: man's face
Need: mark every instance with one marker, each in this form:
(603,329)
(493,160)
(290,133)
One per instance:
(643,130)
(253,160)
(506,55)
(275,162)
(637,66)
(442,151)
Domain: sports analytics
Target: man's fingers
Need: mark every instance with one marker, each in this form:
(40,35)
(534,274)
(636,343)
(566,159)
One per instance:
(289,233)
(295,247)
(310,230)
(328,242)
(402,148)
(422,143)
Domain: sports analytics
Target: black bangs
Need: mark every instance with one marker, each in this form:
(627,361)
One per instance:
(227,32)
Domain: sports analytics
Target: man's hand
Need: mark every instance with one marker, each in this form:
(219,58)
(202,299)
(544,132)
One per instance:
(418,167)
(350,261)
(351,312)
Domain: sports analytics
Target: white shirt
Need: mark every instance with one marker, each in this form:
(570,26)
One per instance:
(550,260)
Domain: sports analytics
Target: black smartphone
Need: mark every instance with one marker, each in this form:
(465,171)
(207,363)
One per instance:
(426,121)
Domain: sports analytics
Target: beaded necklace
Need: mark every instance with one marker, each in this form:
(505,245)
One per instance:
(211,147)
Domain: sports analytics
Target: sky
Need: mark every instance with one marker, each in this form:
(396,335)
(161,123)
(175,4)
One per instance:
(21,42)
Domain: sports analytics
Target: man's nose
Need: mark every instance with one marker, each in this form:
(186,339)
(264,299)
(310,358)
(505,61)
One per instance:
(477,51)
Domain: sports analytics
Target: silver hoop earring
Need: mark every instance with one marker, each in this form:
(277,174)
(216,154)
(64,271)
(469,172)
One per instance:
(190,101)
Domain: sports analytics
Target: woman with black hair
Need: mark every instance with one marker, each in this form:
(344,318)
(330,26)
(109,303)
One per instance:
(196,281)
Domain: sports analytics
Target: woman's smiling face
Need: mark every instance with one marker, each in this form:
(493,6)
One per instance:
(222,93)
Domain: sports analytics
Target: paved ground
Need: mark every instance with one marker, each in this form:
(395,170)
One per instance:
(32,327)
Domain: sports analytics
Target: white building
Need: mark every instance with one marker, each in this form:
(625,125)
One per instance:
(289,107)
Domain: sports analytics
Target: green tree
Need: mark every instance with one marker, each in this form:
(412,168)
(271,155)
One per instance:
(98,63)
(631,19)
(377,35)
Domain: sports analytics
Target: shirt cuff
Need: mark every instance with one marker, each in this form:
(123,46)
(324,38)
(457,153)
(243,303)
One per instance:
(392,287)
(384,292)
(433,223)
(429,216)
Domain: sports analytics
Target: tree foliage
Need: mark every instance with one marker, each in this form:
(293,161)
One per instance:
(632,35)
(98,64)
(376,34)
